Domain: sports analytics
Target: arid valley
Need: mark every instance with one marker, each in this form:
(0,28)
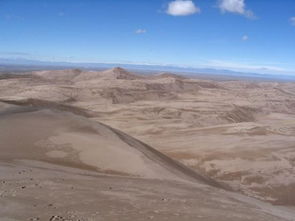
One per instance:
(120,145)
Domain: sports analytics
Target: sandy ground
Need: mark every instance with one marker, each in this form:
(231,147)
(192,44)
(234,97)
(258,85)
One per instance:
(32,190)
(56,165)
(239,133)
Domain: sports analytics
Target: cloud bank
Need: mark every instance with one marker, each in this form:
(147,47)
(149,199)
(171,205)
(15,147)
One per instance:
(182,8)
(292,20)
(235,6)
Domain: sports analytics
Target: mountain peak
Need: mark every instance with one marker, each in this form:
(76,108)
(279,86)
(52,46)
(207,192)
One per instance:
(119,69)
(121,73)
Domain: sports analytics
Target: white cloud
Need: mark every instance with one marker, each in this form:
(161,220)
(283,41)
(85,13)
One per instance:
(245,37)
(292,20)
(182,8)
(235,6)
(140,31)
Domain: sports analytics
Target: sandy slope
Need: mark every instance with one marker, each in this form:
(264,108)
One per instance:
(56,165)
(64,138)
(237,132)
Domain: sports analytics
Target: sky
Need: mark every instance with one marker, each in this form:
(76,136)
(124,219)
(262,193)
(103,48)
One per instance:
(241,35)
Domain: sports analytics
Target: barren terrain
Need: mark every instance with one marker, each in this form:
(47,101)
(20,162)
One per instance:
(66,131)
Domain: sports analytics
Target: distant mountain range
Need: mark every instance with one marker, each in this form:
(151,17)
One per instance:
(8,64)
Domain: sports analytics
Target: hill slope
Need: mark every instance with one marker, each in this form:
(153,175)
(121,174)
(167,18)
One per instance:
(57,165)
(65,138)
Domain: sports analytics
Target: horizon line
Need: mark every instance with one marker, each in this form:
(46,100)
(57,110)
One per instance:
(187,68)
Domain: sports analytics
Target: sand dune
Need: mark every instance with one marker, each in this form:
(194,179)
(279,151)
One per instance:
(114,73)
(62,75)
(238,133)
(169,75)
(70,139)
(52,160)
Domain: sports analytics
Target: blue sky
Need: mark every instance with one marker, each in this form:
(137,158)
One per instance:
(244,35)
